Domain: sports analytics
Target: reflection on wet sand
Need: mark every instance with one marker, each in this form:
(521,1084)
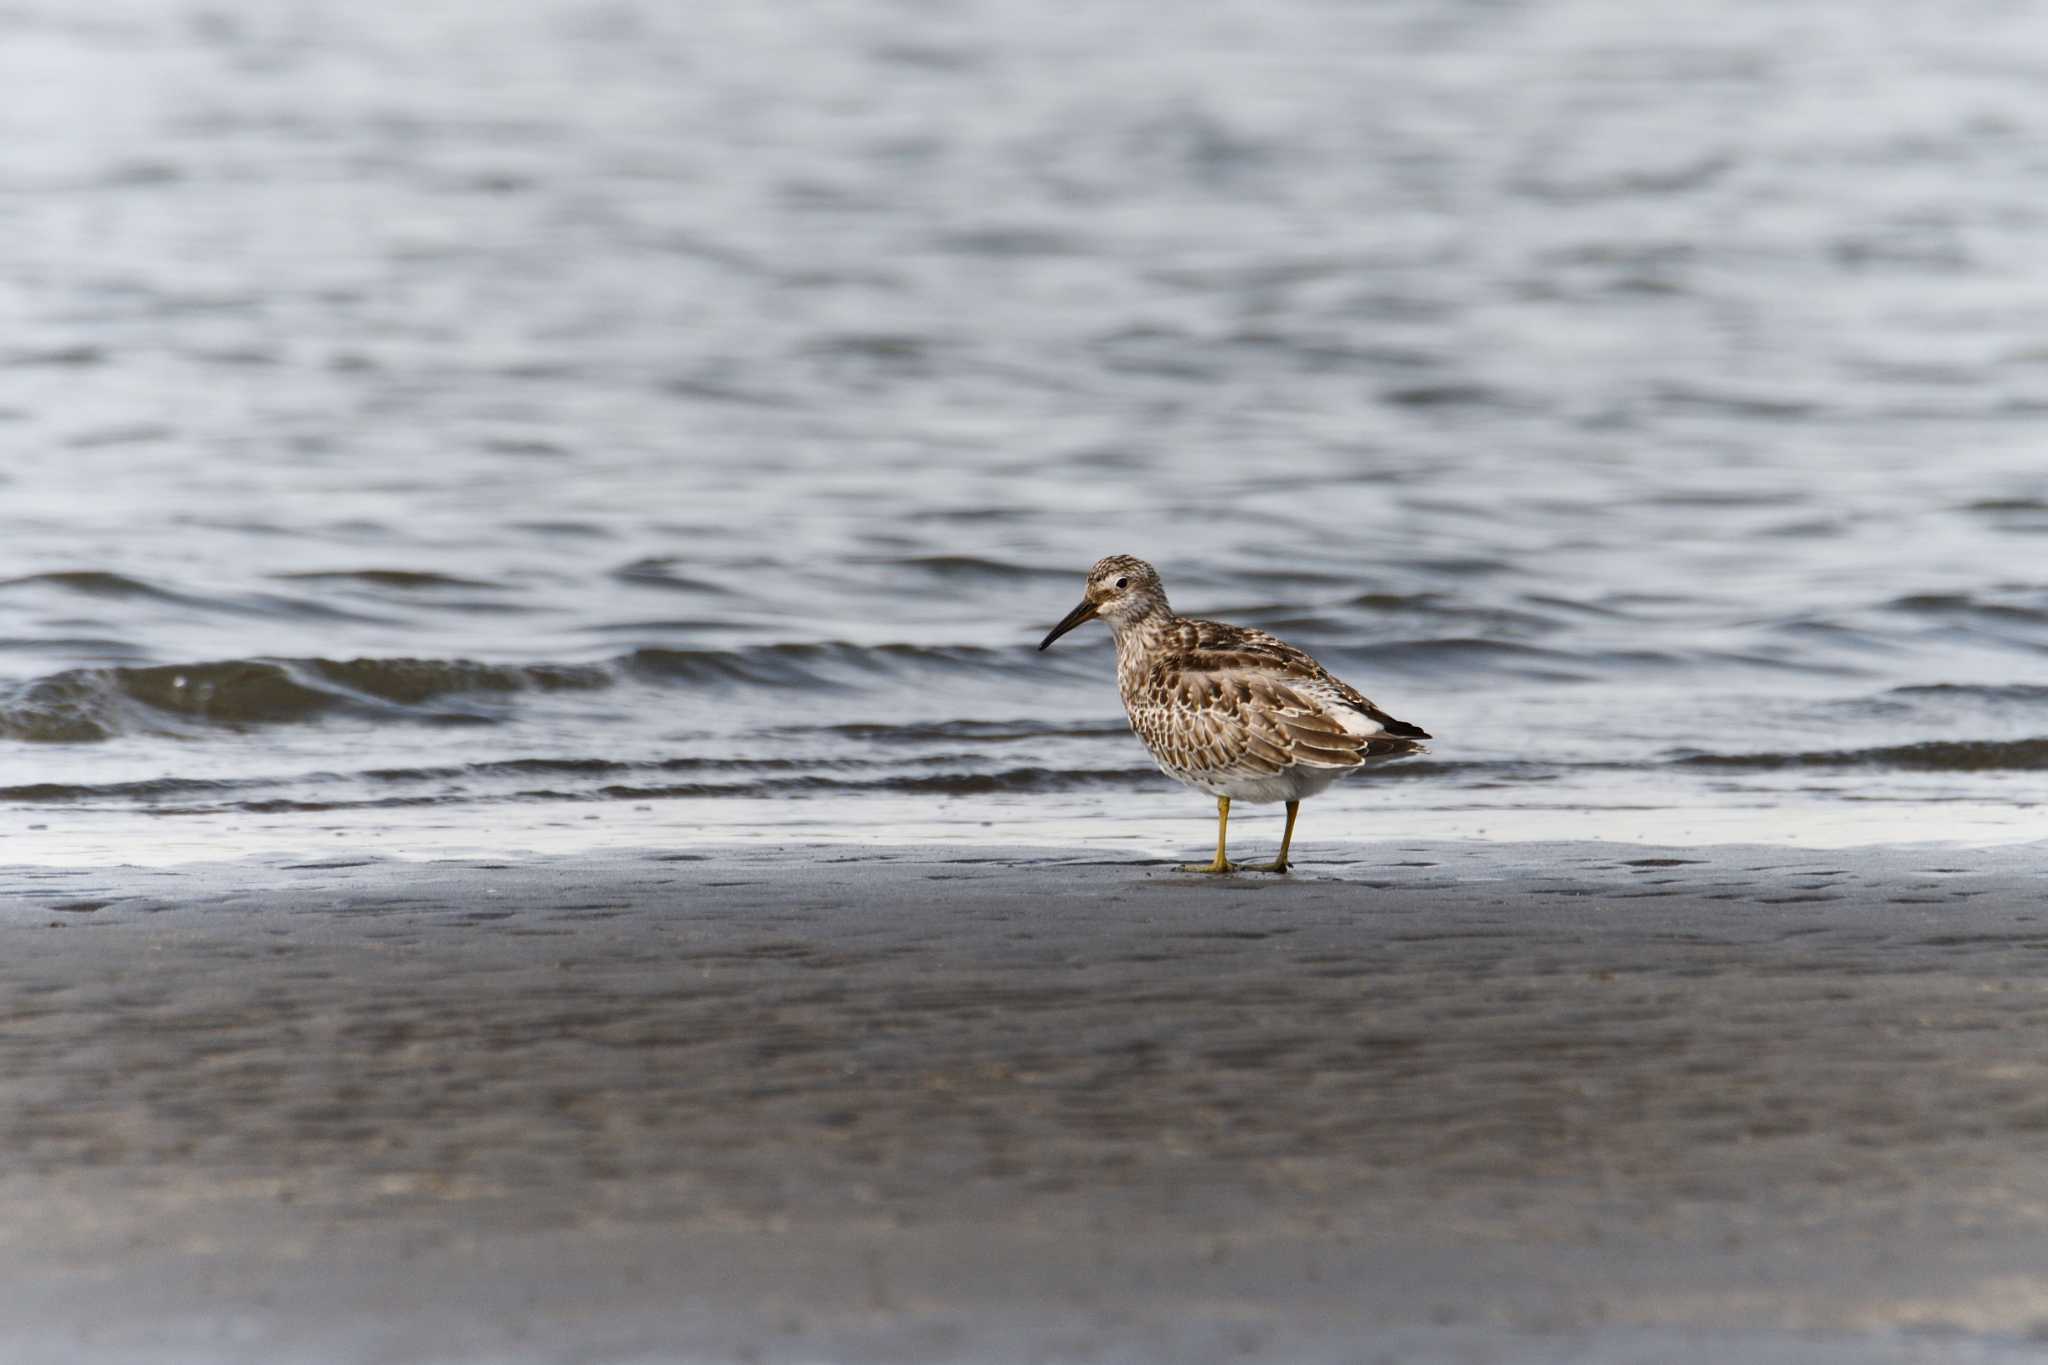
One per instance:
(854,1104)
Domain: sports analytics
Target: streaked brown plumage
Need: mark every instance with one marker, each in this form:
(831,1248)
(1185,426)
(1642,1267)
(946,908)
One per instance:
(1228,710)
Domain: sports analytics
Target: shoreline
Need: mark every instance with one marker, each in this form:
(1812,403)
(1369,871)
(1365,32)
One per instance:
(1161,826)
(1450,1101)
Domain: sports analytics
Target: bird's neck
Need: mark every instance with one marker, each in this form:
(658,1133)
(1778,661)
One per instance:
(1139,638)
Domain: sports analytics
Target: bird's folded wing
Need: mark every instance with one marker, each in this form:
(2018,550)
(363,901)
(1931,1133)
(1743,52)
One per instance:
(1251,712)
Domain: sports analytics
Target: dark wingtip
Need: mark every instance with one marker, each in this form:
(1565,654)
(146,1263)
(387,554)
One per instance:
(1387,723)
(1401,727)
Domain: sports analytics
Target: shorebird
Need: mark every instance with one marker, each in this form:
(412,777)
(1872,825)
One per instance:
(1229,711)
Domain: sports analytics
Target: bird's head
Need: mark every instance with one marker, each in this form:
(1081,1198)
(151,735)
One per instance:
(1120,590)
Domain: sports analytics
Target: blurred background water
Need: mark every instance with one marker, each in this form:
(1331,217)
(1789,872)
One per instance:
(457,421)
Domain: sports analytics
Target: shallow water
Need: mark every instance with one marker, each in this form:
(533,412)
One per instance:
(440,417)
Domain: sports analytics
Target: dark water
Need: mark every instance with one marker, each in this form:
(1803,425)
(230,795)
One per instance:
(472,418)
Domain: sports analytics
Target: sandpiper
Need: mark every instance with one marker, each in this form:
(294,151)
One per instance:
(1232,712)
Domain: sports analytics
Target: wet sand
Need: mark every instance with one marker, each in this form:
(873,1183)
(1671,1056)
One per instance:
(1447,1102)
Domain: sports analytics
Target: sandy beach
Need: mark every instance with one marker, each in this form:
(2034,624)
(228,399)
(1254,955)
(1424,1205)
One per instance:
(1438,1102)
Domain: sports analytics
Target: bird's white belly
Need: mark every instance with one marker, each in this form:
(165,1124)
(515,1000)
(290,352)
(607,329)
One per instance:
(1291,784)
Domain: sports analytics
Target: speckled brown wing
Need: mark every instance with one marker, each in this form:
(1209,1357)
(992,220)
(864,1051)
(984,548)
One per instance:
(1252,712)
(1210,643)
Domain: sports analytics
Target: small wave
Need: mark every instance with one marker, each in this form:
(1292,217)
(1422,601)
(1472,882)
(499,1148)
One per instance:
(1016,242)
(1398,601)
(1290,621)
(1715,498)
(114,586)
(1010,781)
(87,704)
(2019,692)
(1967,605)
(1321,352)
(566,528)
(1467,566)
(2001,506)
(659,571)
(1449,394)
(411,681)
(976,731)
(1024,780)
(951,773)
(64,357)
(73,647)
(1755,404)
(601,767)
(824,664)
(707,389)
(472,781)
(1785,663)
(91,583)
(1468,653)
(896,348)
(1444,611)
(288,806)
(1604,609)
(2013,755)
(524,447)
(972,566)
(1028,780)
(668,625)
(407,579)
(150,789)
(139,433)
(1638,182)
(970,515)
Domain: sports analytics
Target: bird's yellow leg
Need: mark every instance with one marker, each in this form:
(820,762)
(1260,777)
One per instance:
(1279,864)
(1222,829)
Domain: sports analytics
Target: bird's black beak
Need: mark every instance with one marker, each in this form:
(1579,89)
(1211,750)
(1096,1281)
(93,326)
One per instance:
(1084,612)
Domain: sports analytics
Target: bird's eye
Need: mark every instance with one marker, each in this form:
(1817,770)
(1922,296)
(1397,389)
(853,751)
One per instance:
(1123,582)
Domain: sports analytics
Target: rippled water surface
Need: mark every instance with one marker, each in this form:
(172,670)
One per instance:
(477,418)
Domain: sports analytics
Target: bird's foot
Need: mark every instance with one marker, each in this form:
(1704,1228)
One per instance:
(1215,868)
(1280,865)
